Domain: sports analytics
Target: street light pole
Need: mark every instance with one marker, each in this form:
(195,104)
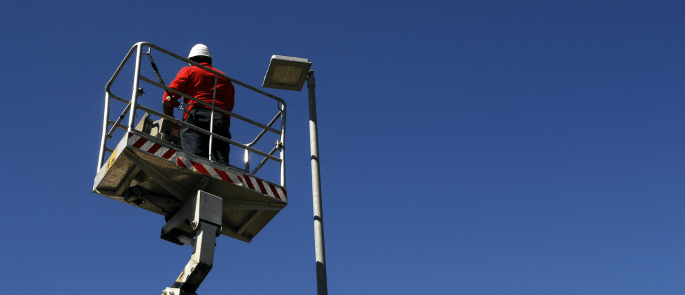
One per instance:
(290,73)
(321,279)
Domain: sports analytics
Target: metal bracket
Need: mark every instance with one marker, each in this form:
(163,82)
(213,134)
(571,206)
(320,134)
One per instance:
(140,91)
(200,217)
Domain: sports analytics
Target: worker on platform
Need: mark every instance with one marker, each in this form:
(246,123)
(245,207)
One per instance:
(199,83)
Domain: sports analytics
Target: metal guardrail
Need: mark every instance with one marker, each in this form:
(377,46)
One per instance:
(132,106)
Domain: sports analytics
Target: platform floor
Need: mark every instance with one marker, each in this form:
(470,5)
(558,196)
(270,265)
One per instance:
(151,174)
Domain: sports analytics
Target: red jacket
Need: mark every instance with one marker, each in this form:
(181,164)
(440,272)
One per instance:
(199,83)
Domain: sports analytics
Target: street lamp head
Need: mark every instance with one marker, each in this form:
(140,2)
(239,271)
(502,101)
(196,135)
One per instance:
(286,72)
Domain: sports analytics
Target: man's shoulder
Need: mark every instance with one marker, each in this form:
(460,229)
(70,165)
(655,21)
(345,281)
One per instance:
(185,70)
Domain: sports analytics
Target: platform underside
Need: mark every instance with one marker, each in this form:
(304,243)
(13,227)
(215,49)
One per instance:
(151,174)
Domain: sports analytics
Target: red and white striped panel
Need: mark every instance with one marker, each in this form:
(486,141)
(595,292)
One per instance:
(156,149)
(265,187)
(186,162)
(181,160)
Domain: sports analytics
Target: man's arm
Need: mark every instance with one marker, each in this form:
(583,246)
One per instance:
(169,100)
(167,109)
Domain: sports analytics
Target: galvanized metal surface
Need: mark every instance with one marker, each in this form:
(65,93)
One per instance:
(319,245)
(282,108)
(136,86)
(103,139)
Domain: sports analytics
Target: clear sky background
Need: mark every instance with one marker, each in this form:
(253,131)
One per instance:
(467,147)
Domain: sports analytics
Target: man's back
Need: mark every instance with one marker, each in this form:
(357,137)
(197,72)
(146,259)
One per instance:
(199,83)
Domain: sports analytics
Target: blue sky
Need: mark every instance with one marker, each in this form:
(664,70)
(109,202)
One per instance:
(468,147)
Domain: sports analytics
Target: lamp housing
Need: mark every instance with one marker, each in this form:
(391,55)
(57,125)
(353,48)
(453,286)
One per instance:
(286,72)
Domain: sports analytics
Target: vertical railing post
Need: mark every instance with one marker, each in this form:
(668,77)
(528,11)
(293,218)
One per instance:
(136,83)
(103,140)
(321,278)
(246,159)
(211,120)
(282,144)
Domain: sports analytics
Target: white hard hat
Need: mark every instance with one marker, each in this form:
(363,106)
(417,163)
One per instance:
(199,49)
